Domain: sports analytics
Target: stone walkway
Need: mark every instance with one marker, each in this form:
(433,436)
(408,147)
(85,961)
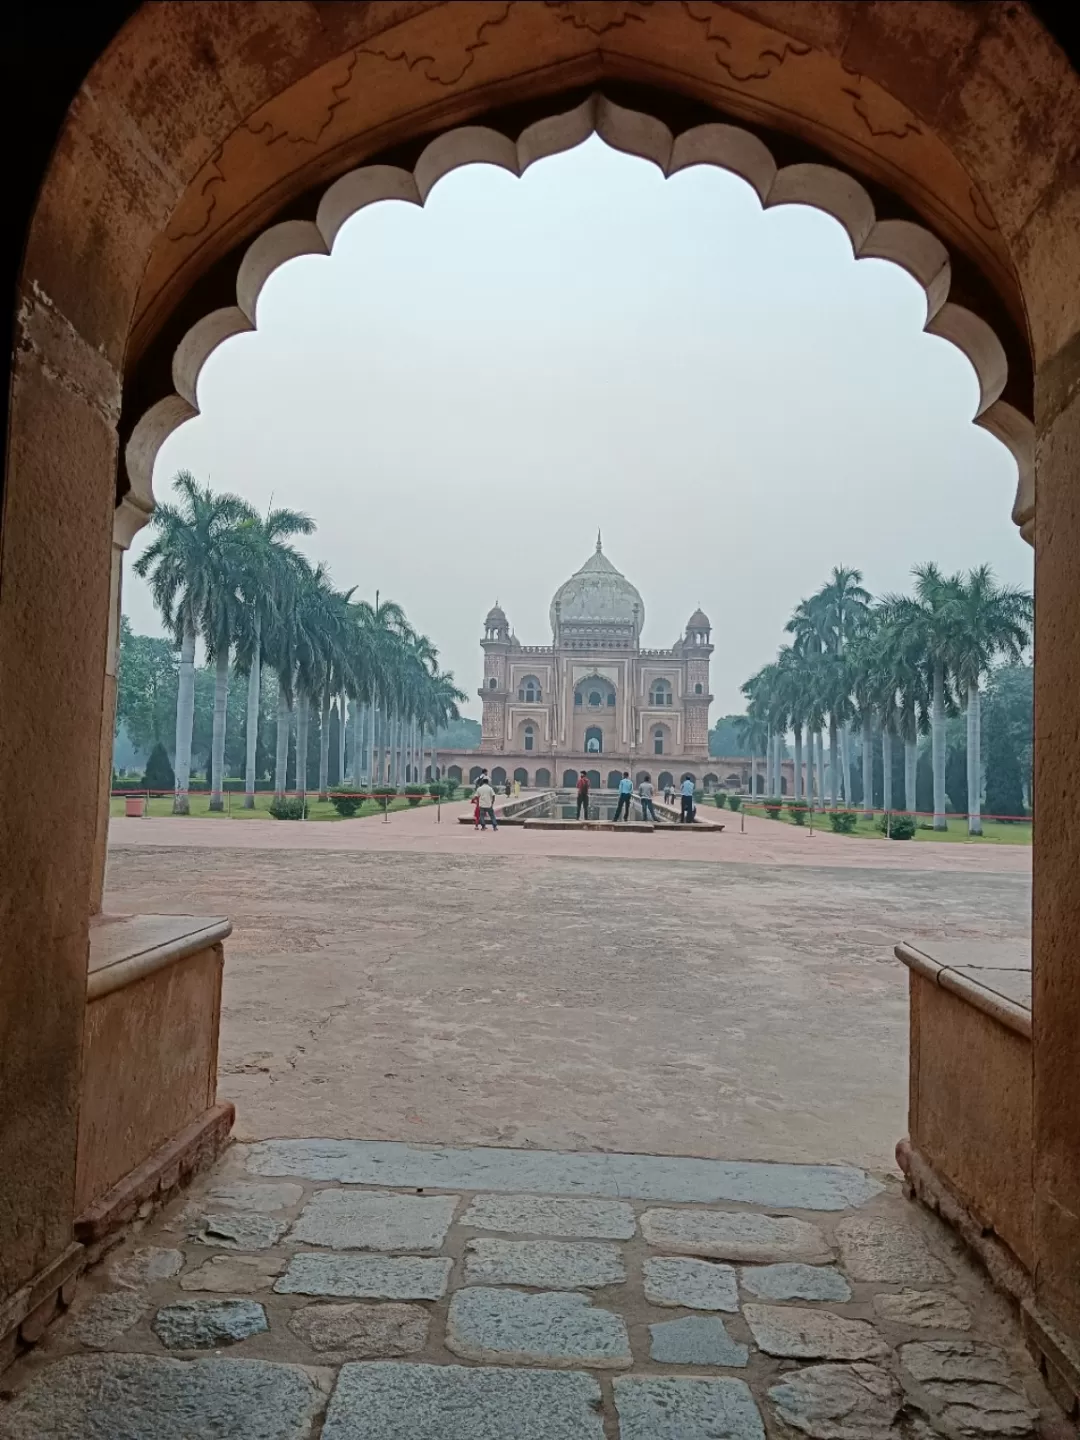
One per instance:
(378,1291)
(761,842)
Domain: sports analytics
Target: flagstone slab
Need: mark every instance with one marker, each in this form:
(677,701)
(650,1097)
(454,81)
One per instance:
(685,1409)
(257,1196)
(135,1268)
(454,1402)
(735,1235)
(362,1220)
(240,1231)
(695,1340)
(544,1264)
(549,1172)
(362,1331)
(366,1277)
(690,1284)
(926,1309)
(837,1402)
(235,1274)
(205,1324)
(890,1251)
(795,1282)
(101,1323)
(971,1387)
(558,1329)
(795,1332)
(145,1397)
(552,1215)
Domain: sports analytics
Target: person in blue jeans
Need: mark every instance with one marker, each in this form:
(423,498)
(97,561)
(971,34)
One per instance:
(687,793)
(626,789)
(645,793)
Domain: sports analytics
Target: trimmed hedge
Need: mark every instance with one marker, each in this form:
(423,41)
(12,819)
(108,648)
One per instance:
(843,821)
(734,802)
(285,807)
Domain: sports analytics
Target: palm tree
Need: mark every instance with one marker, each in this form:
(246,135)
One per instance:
(267,581)
(191,565)
(992,620)
(864,666)
(906,674)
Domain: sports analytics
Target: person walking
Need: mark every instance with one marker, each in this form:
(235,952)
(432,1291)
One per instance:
(485,796)
(626,789)
(668,793)
(583,795)
(645,795)
(687,793)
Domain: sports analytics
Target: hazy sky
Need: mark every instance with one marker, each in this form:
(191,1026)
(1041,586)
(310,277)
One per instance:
(462,394)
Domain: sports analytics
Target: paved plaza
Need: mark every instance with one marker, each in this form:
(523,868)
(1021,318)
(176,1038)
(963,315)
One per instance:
(686,994)
(548,1136)
(393,1292)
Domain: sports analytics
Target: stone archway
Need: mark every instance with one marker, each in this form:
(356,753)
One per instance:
(965,115)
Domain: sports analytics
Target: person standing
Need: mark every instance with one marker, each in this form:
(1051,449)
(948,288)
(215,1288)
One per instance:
(687,793)
(645,794)
(583,795)
(485,796)
(626,789)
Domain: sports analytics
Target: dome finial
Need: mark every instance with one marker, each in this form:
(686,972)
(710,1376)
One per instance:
(599,544)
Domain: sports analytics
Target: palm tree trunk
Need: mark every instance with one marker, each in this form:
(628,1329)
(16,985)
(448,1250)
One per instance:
(778,768)
(185,715)
(868,766)
(911,766)
(324,743)
(371,742)
(302,705)
(834,763)
(798,763)
(356,766)
(217,744)
(937,745)
(974,716)
(768,762)
(281,753)
(819,748)
(254,680)
(753,773)
(886,768)
(341,739)
(845,764)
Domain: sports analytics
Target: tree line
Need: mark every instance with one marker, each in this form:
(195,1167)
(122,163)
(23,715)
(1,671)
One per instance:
(220,572)
(894,669)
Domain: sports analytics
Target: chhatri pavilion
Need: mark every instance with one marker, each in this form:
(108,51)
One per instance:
(596,699)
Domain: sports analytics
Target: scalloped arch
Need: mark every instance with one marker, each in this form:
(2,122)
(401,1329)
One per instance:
(728,147)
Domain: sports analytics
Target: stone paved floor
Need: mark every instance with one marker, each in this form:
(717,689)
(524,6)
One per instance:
(364,1291)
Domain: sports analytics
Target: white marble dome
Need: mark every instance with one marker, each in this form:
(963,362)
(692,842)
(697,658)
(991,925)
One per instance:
(598,594)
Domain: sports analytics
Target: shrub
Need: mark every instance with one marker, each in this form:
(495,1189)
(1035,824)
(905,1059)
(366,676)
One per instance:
(415,793)
(346,801)
(773,805)
(797,810)
(843,821)
(720,800)
(734,802)
(159,773)
(287,807)
(898,826)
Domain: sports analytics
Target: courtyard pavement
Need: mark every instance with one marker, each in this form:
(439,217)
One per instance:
(596,1076)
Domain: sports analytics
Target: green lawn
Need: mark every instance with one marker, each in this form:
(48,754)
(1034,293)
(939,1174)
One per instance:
(995,832)
(234,807)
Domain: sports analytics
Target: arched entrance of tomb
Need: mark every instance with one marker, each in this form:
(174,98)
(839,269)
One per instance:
(570,778)
(543,778)
(521,775)
(498,776)
(454,773)
(613,779)
(664,779)
(933,107)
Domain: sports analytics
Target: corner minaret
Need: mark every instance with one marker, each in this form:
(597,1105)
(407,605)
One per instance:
(697,649)
(496,647)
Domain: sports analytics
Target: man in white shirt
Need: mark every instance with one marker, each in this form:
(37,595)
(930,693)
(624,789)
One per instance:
(485,796)
(687,793)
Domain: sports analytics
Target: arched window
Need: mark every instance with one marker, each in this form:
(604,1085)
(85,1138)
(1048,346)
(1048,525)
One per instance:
(595,699)
(529,690)
(698,688)
(658,740)
(491,683)
(530,737)
(594,692)
(594,740)
(660,693)
(611,698)
(577,697)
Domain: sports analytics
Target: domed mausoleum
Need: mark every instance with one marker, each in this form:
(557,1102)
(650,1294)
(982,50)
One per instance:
(595,699)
